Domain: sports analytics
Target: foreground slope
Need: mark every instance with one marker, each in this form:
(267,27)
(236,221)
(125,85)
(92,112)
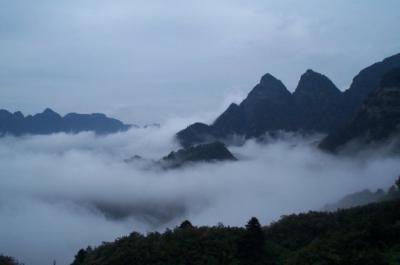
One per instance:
(362,235)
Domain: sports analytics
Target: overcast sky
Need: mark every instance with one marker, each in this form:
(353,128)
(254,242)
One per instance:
(147,61)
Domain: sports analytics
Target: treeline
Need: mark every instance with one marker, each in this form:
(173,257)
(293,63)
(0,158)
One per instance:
(6,260)
(366,235)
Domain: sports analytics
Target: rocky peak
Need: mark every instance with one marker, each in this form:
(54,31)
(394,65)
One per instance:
(269,88)
(316,85)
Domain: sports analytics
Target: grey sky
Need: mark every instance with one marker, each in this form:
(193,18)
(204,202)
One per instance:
(147,61)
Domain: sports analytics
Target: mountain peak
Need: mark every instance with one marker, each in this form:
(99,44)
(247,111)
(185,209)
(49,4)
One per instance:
(267,78)
(269,88)
(49,111)
(314,83)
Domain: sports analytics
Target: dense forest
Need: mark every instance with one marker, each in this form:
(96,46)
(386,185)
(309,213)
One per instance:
(361,235)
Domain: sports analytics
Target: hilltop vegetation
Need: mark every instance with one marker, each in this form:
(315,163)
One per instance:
(362,235)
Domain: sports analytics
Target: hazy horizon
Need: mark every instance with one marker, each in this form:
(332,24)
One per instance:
(145,62)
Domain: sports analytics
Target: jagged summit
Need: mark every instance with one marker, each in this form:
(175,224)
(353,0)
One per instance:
(317,105)
(268,78)
(268,88)
(314,83)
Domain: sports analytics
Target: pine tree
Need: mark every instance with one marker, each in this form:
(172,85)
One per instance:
(251,246)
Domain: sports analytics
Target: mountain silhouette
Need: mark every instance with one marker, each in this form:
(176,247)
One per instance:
(49,122)
(316,105)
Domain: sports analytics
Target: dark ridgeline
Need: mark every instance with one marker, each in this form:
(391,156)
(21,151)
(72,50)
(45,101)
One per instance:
(366,81)
(49,122)
(316,105)
(377,119)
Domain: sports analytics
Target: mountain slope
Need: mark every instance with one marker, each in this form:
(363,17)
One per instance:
(377,120)
(271,107)
(317,105)
(366,81)
(317,101)
(367,235)
(201,153)
(49,122)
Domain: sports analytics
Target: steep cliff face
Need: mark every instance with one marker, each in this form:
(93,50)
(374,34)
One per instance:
(377,119)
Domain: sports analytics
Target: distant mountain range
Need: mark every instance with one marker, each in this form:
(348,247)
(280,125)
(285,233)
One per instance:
(49,122)
(316,105)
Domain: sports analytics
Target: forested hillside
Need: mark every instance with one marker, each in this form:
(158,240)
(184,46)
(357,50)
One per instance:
(361,235)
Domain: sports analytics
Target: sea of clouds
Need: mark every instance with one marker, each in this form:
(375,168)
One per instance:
(61,192)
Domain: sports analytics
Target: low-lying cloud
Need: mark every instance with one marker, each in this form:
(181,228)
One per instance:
(61,192)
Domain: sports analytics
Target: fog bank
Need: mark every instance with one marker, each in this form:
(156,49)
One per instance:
(62,192)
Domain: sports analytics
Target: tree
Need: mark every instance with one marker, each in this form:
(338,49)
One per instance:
(186,225)
(251,246)
(80,257)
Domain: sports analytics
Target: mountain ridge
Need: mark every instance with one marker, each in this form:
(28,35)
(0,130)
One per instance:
(377,119)
(316,105)
(49,121)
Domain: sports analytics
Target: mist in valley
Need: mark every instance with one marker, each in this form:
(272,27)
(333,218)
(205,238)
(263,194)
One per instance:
(62,192)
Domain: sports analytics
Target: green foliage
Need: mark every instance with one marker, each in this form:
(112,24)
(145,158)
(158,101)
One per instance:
(251,246)
(367,235)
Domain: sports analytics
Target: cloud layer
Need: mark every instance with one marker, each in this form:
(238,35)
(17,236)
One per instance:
(63,192)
